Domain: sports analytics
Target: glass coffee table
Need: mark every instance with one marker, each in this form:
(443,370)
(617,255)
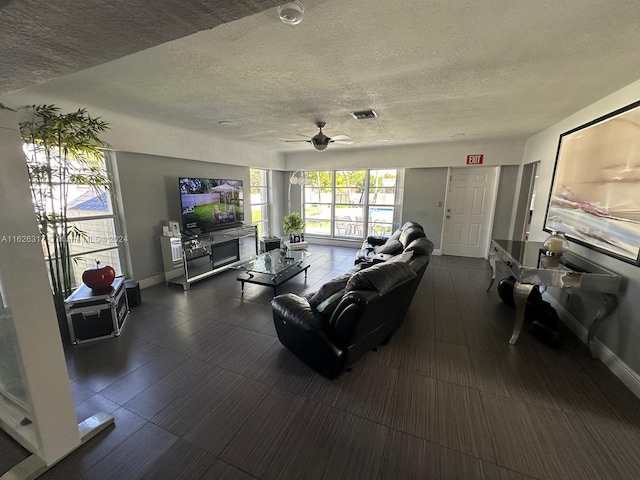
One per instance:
(272,269)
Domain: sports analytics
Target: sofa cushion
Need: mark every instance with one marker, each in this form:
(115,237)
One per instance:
(395,235)
(381,277)
(392,247)
(421,246)
(410,225)
(403,257)
(409,235)
(328,289)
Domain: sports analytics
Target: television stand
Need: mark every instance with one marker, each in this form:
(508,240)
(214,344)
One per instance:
(189,260)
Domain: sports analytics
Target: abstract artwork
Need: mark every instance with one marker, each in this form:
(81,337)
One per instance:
(595,194)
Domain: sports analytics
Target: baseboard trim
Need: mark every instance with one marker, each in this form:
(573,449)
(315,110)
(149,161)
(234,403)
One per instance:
(620,369)
(151,281)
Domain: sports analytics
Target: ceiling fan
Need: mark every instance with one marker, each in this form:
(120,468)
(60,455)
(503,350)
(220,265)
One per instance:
(320,141)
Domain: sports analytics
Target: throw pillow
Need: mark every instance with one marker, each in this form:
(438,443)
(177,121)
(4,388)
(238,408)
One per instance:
(332,286)
(392,247)
(403,257)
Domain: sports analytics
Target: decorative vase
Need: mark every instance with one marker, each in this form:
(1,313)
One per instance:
(553,248)
(99,278)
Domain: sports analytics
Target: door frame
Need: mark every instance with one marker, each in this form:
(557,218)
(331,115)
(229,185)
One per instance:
(525,195)
(492,211)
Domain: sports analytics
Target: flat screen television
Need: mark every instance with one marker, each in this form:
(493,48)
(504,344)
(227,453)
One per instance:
(210,203)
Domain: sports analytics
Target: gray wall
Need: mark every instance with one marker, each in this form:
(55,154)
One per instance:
(150,198)
(507,186)
(278,200)
(620,333)
(424,195)
(423,199)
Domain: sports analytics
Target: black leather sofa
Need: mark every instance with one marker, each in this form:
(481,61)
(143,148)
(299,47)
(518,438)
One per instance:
(376,249)
(360,310)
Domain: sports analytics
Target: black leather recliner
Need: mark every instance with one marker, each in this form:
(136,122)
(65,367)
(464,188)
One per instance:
(373,305)
(386,247)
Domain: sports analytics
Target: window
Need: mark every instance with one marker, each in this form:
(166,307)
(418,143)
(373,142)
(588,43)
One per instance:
(259,200)
(351,203)
(318,193)
(382,201)
(94,234)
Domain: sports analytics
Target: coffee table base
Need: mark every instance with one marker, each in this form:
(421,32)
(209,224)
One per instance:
(270,280)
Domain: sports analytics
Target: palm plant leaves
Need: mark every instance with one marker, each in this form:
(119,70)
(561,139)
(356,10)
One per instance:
(61,150)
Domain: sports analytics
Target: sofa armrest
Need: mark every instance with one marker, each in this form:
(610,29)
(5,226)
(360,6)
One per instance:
(297,311)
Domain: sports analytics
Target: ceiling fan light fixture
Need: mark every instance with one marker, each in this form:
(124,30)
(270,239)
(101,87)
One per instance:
(320,141)
(291,13)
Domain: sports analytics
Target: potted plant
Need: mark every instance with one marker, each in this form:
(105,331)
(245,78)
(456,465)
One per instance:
(293,225)
(61,150)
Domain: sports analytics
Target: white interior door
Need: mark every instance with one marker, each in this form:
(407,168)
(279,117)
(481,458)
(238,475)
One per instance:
(470,203)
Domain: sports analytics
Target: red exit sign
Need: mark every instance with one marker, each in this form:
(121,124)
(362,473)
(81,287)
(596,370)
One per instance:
(475,159)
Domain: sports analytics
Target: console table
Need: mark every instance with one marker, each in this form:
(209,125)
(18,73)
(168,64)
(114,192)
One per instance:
(526,262)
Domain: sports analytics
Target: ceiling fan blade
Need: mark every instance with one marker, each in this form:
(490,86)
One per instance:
(337,138)
(342,142)
(294,141)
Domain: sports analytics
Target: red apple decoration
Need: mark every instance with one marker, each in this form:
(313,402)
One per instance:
(99,278)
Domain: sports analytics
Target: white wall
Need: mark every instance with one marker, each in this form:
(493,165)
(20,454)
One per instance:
(425,174)
(446,154)
(54,431)
(137,135)
(621,334)
(132,135)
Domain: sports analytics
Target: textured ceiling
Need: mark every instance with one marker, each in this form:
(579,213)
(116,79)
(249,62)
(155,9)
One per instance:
(431,70)
(44,39)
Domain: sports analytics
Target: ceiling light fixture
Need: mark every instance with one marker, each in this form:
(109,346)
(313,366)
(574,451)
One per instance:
(291,13)
(297,178)
(227,123)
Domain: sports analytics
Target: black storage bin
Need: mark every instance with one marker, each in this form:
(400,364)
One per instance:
(133,294)
(269,243)
(95,316)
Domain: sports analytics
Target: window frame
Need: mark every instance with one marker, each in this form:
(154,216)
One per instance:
(113,240)
(263,225)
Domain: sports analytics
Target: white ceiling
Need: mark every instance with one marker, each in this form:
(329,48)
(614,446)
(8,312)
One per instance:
(489,69)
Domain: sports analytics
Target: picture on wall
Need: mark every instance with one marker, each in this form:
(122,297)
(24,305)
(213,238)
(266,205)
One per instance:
(595,194)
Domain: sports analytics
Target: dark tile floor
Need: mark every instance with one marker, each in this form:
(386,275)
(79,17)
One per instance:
(200,388)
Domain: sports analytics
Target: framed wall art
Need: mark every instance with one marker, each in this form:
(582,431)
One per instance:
(595,192)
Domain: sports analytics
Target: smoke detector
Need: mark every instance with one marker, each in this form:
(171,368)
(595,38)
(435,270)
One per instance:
(291,13)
